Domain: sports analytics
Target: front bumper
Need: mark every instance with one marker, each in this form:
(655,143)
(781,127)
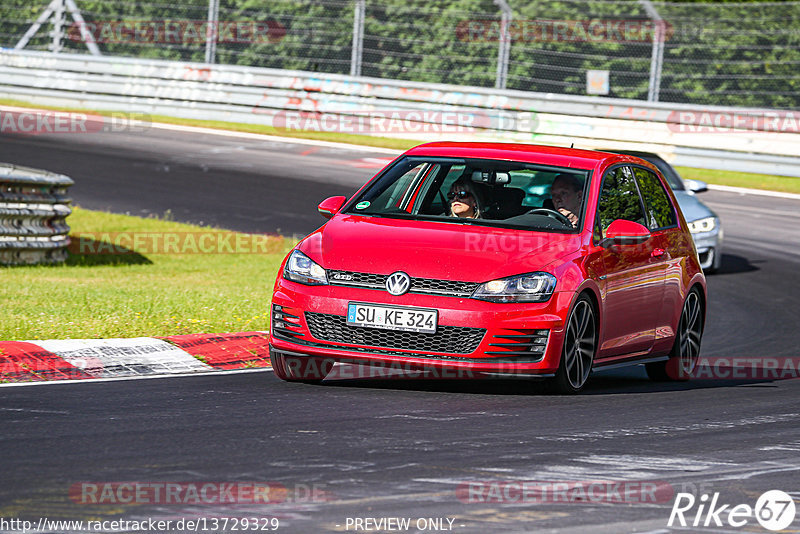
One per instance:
(709,248)
(505,339)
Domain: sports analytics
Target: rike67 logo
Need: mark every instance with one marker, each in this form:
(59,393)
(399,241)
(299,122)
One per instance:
(774,510)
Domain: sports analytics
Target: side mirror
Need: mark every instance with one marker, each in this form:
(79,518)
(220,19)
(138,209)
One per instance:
(331,206)
(696,186)
(622,232)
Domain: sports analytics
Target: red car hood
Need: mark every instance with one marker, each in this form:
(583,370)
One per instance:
(427,249)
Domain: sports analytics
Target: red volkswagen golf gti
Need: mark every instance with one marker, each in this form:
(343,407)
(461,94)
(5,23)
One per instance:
(495,260)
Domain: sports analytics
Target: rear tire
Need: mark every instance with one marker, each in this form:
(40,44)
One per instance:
(305,369)
(577,353)
(686,349)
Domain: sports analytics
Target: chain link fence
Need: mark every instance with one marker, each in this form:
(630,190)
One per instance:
(731,54)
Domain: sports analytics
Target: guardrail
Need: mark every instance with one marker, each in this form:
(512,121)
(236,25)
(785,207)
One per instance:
(33,211)
(761,141)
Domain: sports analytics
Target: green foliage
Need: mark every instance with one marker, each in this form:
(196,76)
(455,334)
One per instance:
(659,209)
(715,53)
(619,199)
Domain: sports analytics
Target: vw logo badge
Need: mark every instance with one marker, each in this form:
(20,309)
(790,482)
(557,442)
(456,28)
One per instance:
(398,283)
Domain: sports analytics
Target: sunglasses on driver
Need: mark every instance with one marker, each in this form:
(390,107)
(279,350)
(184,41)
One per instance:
(460,195)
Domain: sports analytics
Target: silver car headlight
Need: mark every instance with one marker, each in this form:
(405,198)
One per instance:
(300,268)
(703,225)
(531,287)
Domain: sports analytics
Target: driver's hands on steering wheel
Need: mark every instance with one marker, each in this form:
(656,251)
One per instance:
(573,219)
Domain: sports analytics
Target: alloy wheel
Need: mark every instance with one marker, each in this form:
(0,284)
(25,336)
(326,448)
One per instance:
(579,344)
(690,331)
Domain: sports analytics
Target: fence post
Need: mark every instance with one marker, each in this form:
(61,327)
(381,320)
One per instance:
(88,38)
(504,48)
(212,31)
(657,54)
(59,18)
(56,9)
(358,38)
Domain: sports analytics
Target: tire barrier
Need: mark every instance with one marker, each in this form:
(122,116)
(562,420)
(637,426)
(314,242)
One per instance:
(33,210)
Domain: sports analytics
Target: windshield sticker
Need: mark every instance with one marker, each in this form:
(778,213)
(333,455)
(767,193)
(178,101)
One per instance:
(362,205)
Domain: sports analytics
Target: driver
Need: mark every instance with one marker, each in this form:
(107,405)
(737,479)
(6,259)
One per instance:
(465,201)
(567,193)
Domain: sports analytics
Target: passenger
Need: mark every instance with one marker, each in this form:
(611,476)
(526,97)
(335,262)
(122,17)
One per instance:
(567,193)
(464,199)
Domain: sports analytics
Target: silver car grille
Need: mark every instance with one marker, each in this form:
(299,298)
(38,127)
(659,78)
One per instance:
(425,286)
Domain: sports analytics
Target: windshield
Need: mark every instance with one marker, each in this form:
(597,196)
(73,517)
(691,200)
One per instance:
(478,191)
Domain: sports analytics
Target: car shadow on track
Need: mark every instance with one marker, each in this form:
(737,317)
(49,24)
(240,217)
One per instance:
(616,382)
(735,264)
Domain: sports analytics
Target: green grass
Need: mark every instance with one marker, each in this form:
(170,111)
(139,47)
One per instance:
(139,293)
(784,184)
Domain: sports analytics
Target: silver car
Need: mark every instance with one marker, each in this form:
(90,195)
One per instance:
(704,224)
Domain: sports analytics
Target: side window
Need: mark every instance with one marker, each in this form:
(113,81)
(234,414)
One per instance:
(660,213)
(433,197)
(619,199)
(394,194)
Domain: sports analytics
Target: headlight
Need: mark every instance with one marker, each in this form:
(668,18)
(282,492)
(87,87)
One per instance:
(301,268)
(532,287)
(703,225)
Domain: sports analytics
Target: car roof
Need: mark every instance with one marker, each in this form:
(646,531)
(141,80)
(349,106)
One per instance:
(527,153)
(674,179)
(637,153)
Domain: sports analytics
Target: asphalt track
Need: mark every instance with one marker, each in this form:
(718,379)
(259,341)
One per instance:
(400,448)
(238,183)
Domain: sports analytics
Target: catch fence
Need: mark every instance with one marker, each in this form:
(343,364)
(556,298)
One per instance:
(726,54)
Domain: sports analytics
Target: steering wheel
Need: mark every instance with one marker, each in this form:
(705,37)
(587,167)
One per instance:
(553,214)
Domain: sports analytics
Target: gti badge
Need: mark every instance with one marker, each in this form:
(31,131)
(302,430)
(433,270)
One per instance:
(398,283)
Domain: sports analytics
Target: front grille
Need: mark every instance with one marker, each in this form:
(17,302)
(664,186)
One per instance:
(447,339)
(518,343)
(428,286)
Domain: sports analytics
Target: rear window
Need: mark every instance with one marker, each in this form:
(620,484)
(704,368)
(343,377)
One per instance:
(658,208)
(619,199)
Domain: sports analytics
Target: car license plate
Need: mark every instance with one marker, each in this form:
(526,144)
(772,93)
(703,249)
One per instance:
(392,317)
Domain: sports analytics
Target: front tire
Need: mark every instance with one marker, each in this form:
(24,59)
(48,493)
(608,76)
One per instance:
(580,345)
(306,369)
(686,349)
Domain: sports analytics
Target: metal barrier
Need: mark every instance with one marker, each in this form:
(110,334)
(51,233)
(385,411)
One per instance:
(33,209)
(712,137)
